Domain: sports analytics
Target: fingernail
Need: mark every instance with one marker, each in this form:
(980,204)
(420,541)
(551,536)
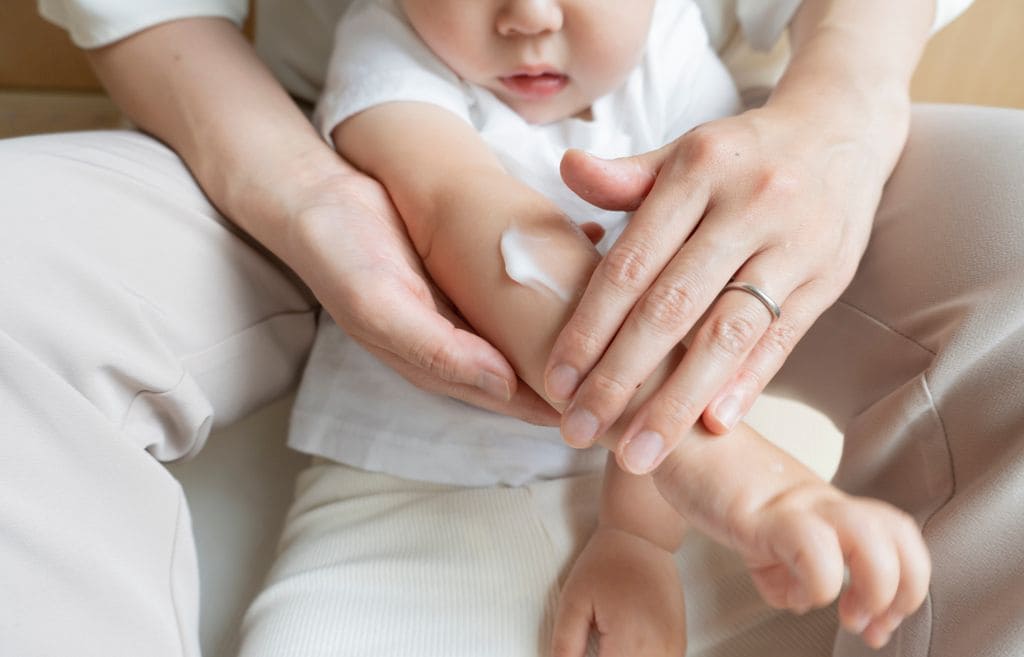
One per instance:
(495,386)
(728,411)
(643,451)
(580,428)
(562,382)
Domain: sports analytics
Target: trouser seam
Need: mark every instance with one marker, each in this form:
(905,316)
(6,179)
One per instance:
(952,494)
(170,580)
(887,326)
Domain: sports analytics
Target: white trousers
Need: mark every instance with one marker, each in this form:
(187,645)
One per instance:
(133,319)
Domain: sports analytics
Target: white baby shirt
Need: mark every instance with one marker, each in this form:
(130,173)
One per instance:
(353,409)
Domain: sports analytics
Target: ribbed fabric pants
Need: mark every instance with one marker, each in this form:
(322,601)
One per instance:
(133,319)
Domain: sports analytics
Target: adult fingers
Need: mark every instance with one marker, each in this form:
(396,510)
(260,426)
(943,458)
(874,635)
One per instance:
(525,404)
(655,325)
(409,324)
(803,307)
(722,342)
(618,184)
(649,241)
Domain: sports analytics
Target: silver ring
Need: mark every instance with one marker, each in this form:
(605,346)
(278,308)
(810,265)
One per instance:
(757,293)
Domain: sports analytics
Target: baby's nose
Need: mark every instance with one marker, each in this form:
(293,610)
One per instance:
(529,17)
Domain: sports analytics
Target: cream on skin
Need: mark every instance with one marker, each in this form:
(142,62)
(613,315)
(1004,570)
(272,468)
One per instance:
(524,256)
(534,256)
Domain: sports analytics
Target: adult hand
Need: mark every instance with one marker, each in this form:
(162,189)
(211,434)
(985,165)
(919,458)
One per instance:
(349,245)
(775,197)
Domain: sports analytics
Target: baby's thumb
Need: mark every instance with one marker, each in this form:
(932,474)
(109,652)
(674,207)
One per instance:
(619,184)
(572,629)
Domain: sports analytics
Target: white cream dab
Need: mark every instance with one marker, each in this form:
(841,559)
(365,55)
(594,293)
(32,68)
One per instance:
(521,253)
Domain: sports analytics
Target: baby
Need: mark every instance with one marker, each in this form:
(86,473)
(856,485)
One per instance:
(463,110)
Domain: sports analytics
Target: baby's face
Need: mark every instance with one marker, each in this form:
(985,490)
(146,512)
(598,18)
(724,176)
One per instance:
(546,59)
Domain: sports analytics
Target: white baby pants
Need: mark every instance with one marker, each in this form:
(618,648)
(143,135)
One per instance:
(133,319)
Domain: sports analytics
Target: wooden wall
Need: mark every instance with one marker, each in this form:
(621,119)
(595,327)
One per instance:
(978,59)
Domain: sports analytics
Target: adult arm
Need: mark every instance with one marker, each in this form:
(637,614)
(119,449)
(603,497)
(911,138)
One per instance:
(782,197)
(199,86)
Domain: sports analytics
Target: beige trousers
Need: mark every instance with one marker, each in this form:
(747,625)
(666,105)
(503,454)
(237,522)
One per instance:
(133,319)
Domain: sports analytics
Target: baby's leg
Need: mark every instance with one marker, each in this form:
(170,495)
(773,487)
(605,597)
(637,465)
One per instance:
(375,565)
(371,564)
(132,319)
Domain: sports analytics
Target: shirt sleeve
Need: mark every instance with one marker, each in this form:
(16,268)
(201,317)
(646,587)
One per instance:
(684,82)
(95,23)
(378,58)
(763,21)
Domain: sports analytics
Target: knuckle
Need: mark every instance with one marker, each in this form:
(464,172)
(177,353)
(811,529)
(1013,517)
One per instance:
(776,182)
(666,307)
(677,412)
(706,146)
(732,335)
(437,359)
(603,392)
(627,267)
(580,342)
(780,338)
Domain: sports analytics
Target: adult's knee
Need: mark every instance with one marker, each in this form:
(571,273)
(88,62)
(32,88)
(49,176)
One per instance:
(954,203)
(121,279)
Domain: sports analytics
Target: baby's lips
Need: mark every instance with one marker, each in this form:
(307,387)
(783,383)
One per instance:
(535,86)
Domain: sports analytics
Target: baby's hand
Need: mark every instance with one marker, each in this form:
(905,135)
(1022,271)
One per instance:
(628,590)
(798,543)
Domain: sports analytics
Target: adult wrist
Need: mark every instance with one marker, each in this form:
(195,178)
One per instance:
(844,86)
(873,119)
(266,198)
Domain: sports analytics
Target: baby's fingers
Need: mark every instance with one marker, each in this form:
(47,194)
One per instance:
(874,565)
(572,627)
(915,573)
(810,572)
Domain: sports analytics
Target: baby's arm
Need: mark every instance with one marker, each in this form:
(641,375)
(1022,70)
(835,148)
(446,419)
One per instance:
(794,530)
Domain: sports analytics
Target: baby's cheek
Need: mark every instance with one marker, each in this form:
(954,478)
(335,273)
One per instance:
(604,69)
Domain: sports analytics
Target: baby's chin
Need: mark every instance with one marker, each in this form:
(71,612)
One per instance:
(550,111)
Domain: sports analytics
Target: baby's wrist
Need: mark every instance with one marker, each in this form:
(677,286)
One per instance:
(665,542)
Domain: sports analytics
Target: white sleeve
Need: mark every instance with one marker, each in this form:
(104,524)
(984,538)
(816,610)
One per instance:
(378,58)
(763,21)
(95,23)
(685,83)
